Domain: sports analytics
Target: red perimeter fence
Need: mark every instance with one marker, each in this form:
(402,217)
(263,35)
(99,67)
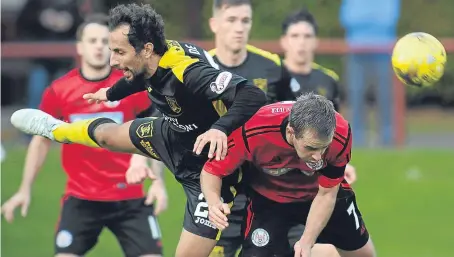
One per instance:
(326,46)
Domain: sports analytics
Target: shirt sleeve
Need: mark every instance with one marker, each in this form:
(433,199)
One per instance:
(236,155)
(241,98)
(123,88)
(339,157)
(50,103)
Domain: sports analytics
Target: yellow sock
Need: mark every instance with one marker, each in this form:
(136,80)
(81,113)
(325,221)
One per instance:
(76,132)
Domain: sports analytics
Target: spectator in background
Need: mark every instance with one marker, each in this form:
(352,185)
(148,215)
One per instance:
(370,25)
(47,20)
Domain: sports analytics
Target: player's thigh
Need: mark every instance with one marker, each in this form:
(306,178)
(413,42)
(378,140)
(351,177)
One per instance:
(197,228)
(115,137)
(266,227)
(367,250)
(136,228)
(324,250)
(346,229)
(192,245)
(78,228)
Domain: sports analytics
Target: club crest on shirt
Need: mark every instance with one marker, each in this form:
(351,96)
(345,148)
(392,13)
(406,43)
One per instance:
(112,104)
(173,104)
(145,130)
(261,83)
(315,165)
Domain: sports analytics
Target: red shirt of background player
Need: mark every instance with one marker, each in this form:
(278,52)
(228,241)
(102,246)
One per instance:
(276,170)
(93,173)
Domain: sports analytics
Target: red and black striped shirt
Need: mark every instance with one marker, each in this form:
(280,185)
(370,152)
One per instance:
(276,170)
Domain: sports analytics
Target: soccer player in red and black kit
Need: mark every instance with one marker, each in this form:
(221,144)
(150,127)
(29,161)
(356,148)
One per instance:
(187,90)
(297,152)
(96,195)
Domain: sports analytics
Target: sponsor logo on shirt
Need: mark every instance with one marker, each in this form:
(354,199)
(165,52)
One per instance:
(221,83)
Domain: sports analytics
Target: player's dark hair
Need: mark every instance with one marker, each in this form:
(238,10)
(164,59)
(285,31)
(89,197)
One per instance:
(97,18)
(145,26)
(218,4)
(299,16)
(312,111)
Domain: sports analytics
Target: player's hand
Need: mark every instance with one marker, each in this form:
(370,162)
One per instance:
(218,143)
(350,174)
(302,250)
(217,213)
(97,97)
(157,194)
(22,199)
(136,174)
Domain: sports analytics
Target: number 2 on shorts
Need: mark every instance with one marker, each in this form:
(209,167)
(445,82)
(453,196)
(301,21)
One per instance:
(201,210)
(350,210)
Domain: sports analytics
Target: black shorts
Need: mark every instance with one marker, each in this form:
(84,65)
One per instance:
(131,221)
(154,137)
(268,223)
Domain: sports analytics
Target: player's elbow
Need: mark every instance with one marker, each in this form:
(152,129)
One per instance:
(254,95)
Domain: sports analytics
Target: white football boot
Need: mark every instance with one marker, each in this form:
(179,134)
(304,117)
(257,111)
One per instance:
(35,122)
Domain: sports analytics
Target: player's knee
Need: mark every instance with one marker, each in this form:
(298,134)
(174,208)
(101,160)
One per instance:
(106,135)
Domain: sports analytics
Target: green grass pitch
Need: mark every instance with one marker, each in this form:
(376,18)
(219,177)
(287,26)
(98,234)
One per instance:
(406,198)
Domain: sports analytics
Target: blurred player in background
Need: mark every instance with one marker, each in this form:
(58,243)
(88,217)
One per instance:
(231,24)
(96,195)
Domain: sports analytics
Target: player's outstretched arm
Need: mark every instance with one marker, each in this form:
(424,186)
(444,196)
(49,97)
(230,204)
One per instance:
(36,155)
(118,91)
(320,212)
(211,189)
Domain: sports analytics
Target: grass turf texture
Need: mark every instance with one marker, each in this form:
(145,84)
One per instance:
(398,193)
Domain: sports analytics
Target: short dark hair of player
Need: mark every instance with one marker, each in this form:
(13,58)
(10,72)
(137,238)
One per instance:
(145,26)
(299,16)
(218,4)
(97,18)
(314,112)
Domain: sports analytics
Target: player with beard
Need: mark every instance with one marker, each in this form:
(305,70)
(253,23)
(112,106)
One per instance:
(186,89)
(97,195)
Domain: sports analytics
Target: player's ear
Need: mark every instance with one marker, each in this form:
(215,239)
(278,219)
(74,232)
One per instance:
(148,50)
(316,42)
(79,48)
(213,24)
(283,42)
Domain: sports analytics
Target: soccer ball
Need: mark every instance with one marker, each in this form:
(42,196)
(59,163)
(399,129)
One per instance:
(419,59)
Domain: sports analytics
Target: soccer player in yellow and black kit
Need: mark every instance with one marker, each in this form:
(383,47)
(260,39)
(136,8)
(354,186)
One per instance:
(186,89)
(299,41)
(231,24)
